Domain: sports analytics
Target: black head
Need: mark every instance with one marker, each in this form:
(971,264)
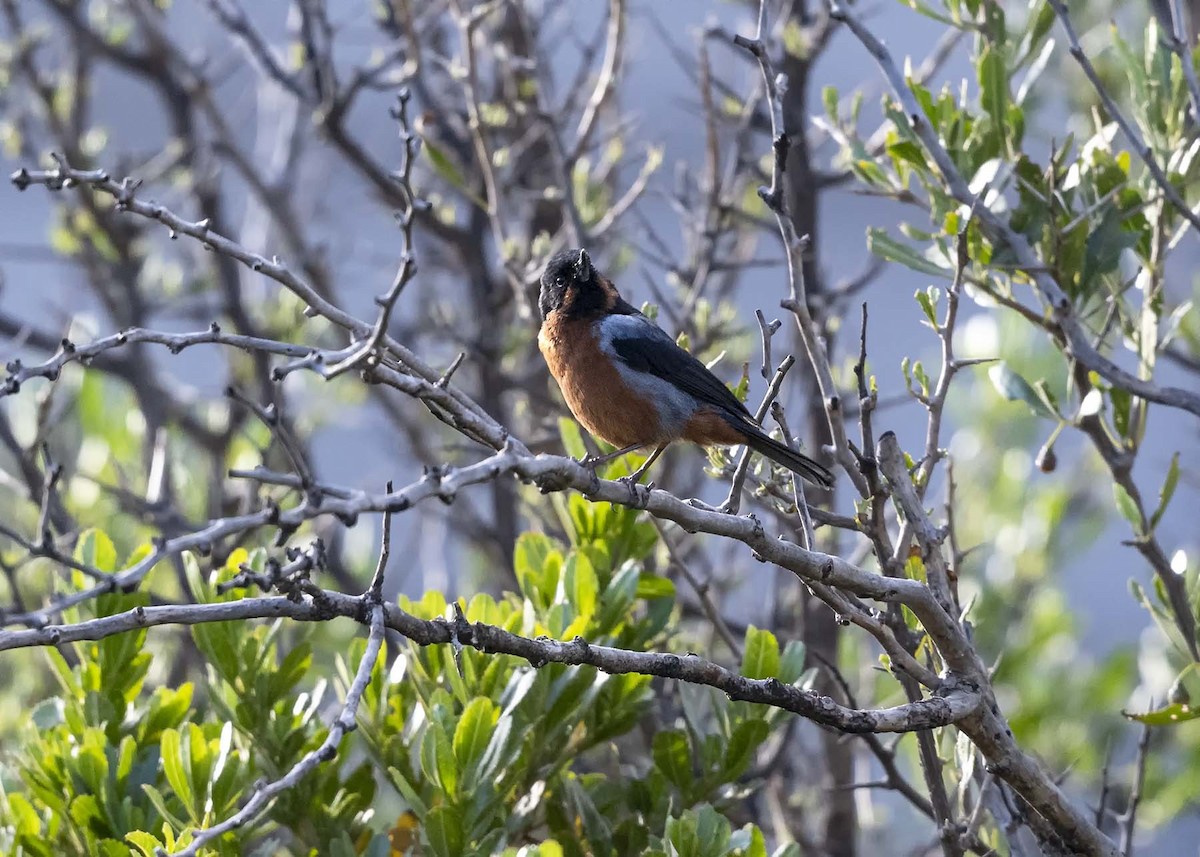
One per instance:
(571,285)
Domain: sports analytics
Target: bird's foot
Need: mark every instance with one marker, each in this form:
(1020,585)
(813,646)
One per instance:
(591,462)
(639,493)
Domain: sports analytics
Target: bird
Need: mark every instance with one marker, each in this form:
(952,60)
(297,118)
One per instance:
(628,382)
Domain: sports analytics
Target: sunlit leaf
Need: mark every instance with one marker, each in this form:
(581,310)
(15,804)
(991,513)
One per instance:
(1167,716)
(1012,386)
(886,247)
(761,656)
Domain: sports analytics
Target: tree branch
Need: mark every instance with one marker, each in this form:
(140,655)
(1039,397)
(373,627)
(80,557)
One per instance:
(928,713)
(1077,341)
(1110,106)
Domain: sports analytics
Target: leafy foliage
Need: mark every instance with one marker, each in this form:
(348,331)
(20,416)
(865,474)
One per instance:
(468,752)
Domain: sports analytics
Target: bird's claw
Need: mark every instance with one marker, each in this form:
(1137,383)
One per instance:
(591,462)
(639,493)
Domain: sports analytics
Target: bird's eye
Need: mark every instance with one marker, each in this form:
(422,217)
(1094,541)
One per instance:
(560,281)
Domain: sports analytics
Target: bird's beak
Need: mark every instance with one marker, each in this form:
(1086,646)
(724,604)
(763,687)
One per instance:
(583,268)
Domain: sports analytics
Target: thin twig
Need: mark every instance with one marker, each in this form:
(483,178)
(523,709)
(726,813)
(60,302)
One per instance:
(273,420)
(1105,786)
(370,346)
(797,301)
(1129,817)
(124,192)
(733,501)
(345,722)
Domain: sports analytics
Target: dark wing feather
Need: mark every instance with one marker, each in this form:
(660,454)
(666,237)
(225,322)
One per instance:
(656,353)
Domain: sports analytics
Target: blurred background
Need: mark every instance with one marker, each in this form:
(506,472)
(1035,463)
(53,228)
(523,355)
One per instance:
(180,96)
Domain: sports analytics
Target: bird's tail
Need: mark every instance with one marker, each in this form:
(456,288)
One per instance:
(794,461)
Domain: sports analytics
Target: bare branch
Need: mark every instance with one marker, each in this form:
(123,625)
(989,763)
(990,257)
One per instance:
(605,82)
(937,710)
(124,193)
(734,501)
(345,722)
(1129,818)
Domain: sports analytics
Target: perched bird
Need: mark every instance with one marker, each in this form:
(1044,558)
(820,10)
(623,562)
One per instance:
(627,381)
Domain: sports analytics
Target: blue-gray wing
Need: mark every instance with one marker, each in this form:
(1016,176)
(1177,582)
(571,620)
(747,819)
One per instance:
(645,347)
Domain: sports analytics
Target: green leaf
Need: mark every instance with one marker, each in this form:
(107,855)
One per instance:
(144,842)
(761,656)
(21,815)
(1047,396)
(444,831)
(532,554)
(1103,249)
(1121,404)
(1167,491)
(474,731)
(47,714)
(291,670)
(96,549)
(595,827)
(791,664)
(407,791)
(739,752)
(160,803)
(1013,387)
(758,845)
(993,89)
(1167,716)
(85,812)
(437,758)
(618,596)
(171,750)
(446,168)
(928,301)
(1127,506)
(888,248)
(219,643)
(673,756)
(580,584)
(199,759)
(907,152)
(713,829)
(572,437)
(653,586)
(829,97)
(62,670)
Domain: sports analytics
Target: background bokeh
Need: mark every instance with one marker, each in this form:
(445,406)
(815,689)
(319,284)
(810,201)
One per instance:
(1061,608)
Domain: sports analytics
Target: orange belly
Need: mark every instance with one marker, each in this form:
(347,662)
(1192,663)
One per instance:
(593,389)
(708,428)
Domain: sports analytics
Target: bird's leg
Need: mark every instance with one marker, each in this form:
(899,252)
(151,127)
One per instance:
(633,478)
(594,461)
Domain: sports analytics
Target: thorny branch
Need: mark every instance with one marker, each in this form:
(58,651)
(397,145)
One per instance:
(371,605)
(323,605)
(958,685)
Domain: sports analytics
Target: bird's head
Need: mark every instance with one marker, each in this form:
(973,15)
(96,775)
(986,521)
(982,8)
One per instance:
(571,285)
